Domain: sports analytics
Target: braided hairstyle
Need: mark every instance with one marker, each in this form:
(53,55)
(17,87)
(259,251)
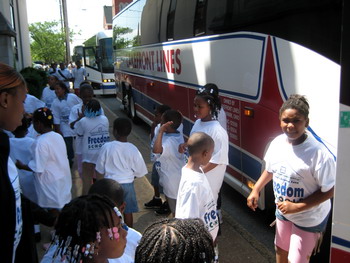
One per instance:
(210,93)
(92,109)
(77,225)
(44,116)
(297,102)
(175,240)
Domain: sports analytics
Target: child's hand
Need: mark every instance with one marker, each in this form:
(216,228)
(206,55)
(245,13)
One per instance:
(81,113)
(287,207)
(182,147)
(252,200)
(19,164)
(165,126)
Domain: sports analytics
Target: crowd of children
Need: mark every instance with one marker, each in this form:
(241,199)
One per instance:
(98,225)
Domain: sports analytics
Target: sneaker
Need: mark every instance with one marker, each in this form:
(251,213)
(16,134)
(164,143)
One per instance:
(154,203)
(164,210)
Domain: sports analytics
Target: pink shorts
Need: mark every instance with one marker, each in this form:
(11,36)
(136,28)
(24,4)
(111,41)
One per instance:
(299,243)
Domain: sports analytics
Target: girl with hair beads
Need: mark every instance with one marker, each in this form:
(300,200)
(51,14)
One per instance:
(175,241)
(53,180)
(88,229)
(206,108)
(303,174)
(94,128)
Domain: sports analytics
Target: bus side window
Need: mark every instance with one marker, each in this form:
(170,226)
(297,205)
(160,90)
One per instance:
(171,20)
(199,23)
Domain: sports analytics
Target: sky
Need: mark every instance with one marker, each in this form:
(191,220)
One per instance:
(84,16)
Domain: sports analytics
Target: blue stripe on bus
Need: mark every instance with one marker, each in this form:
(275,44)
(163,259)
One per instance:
(341,242)
(240,160)
(107,86)
(285,96)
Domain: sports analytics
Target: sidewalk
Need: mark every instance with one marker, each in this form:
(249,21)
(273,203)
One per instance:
(235,244)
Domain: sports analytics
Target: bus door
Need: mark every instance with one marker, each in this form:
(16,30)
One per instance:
(92,66)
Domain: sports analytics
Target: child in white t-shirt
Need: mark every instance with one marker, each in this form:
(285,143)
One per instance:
(53,181)
(303,174)
(21,149)
(94,128)
(195,198)
(156,202)
(122,161)
(170,161)
(61,107)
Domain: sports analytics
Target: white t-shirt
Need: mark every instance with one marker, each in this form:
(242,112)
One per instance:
(13,175)
(21,149)
(61,110)
(32,103)
(220,154)
(299,171)
(48,96)
(95,132)
(78,75)
(170,163)
(195,200)
(154,156)
(132,241)
(73,116)
(222,118)
(121,161)
(53,180)
(64,76)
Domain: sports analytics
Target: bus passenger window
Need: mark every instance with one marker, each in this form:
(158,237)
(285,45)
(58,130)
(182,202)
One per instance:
(171,20)
(200,18)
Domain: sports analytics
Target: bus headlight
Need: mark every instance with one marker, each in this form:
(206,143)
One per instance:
(250,184)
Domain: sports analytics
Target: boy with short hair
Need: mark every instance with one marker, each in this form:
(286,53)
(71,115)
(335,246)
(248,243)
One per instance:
(156,202)
(122,162)
(170,161)
(195,198)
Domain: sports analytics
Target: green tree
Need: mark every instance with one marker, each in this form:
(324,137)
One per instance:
(119,41)
(47,41)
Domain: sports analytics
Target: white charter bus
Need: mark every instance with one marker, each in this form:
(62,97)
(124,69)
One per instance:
(257,52)
(98,62)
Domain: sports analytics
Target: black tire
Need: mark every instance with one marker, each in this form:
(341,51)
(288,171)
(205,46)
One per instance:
(131,110)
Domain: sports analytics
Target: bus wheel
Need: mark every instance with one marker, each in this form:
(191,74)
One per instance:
(132,110)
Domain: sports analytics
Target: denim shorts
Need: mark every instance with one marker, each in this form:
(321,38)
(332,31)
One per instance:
(314,229)
(155,178)
(130,198)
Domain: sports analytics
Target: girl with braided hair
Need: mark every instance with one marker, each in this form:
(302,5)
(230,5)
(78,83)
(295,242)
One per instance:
(53,181)
(175,241)
(206,108)
(94,130)
(89,229)
(303,174)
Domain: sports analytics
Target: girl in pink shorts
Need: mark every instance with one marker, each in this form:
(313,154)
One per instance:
(303,174)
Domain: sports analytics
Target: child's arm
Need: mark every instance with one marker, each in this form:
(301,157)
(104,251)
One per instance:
(287,207)
(23,166)
(157,147)
(80,116)
(252,200)
(98,175)
(209,166)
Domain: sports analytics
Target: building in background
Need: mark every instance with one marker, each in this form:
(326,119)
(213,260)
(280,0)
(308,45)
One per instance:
(107,17)
(119,5)
(14,34)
